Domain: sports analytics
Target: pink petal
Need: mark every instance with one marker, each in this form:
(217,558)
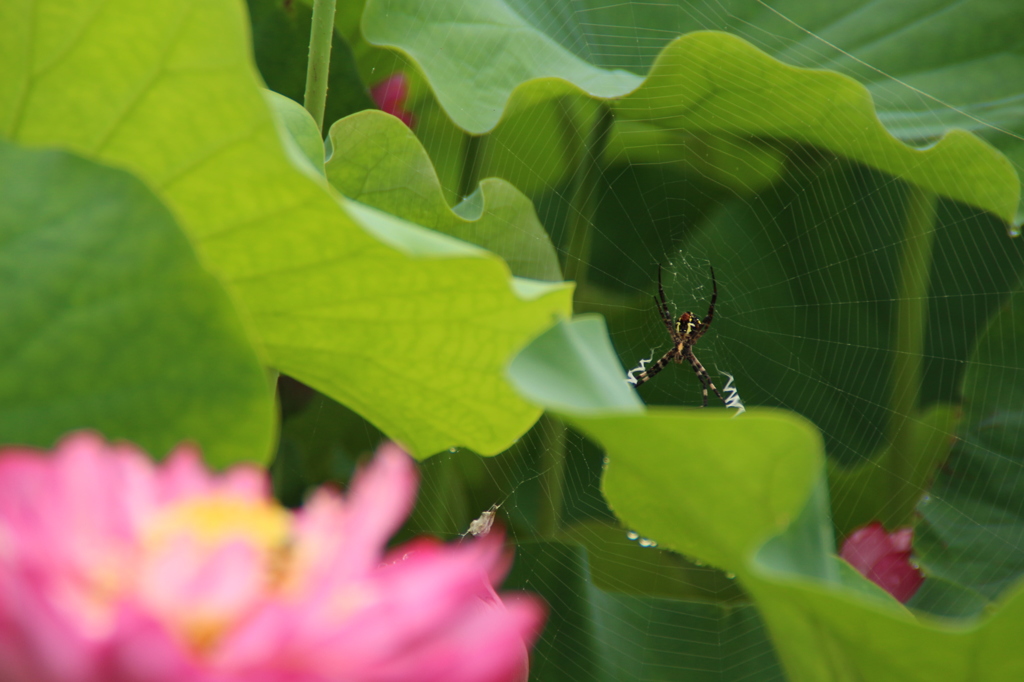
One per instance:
(87,593)
(389,96)
(895,575)
(351,539)
(866,546)
(391,92)
(884,559)
(143,651)
(188,583)
(37,643)
(901,539)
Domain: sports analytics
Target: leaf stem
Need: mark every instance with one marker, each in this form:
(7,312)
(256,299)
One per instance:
(552,467)
(318,66)
(583,205)
(906,468)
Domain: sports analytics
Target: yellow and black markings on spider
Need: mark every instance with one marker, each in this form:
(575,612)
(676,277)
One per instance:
(685,333)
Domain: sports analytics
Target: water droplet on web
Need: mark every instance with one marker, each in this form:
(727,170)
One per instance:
(645,542)
(730,576)
(633,536)
(453,450)
(605,460)
(698,562)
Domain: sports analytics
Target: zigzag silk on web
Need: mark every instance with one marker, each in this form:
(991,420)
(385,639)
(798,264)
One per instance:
(732,393)
(643,365)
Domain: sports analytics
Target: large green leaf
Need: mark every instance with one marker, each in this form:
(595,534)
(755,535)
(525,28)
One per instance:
(673,477)
(472,78)
(716,82)
(753,475)
(409,328)
(377,160)
(510,55)
(107,320)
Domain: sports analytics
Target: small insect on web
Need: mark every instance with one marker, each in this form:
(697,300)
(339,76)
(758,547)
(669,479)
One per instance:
(685,332)
(482,524)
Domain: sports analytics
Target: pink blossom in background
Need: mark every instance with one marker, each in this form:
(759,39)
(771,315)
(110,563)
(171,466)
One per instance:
(884,559)
(390,95)
(116,569)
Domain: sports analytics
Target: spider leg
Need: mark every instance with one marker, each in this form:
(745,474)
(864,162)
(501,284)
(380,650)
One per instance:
(702,375)
(662,304)
(666,317)
(711,307)
(649,373)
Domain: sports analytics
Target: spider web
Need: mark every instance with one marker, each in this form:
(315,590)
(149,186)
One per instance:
(808,268)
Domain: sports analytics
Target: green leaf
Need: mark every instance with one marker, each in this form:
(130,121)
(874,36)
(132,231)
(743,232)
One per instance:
(828,633)
(973,526)
(750,474)
(715,82)
(421,387)
(709,83)
(875,491)
(572,368)
(397,331)
(746,479)
(930,66)
(108,322)
(621,561)
(744,166)
(377,160)
(300,128)
(940,597)
(470,77)
(671,640)
(597,633)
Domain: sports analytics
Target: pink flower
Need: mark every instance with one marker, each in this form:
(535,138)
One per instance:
(115,569)
(390,94)
(884,559)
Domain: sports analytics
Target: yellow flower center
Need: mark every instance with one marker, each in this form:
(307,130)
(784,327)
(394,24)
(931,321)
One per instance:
(211,522)
(217,519)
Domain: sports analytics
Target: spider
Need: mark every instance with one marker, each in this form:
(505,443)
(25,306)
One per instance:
(685,332)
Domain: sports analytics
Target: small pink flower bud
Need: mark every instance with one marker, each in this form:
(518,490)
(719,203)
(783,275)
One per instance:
(884,559)
(390,94)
